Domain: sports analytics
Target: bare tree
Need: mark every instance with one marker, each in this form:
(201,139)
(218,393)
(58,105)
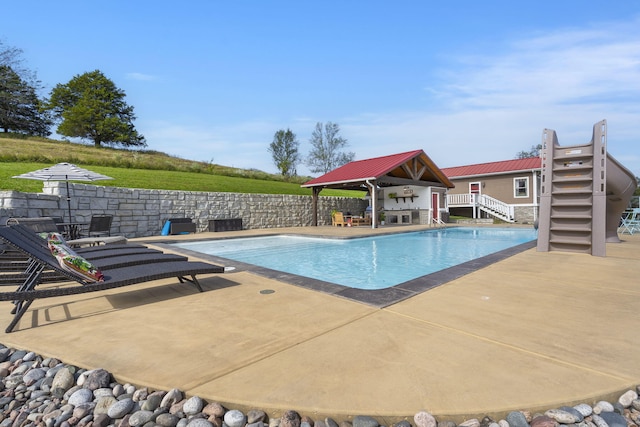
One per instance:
(325,152)
(533,152)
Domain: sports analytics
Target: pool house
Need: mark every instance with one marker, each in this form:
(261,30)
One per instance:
(403,188)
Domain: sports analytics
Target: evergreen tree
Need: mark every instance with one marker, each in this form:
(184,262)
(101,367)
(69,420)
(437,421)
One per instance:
(20,106)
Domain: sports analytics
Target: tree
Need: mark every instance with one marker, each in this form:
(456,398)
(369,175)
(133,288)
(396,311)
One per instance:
(325,153)
(533,152)
(90,106)
(284,150)
(20,106)
(12,57)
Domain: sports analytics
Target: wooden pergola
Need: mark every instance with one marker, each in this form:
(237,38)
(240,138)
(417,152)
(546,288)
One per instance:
(410,168)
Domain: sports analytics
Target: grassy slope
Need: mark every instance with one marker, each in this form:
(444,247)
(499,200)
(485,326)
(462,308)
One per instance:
(133,169)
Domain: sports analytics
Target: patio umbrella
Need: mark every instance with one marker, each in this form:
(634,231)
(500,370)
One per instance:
(64,172)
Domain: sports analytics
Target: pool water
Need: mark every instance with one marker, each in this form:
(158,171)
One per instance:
(376,262)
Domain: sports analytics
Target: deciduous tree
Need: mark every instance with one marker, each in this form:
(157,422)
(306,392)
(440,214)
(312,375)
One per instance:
(91,107)
(284,150)
(533,152)
(325,152)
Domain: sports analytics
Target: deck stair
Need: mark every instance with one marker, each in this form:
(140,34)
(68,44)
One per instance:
(490,205)
(496,208)
(573,194)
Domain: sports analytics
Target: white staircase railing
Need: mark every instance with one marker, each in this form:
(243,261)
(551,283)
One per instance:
(460,199)
(438,221)
(485,203)
(496,207)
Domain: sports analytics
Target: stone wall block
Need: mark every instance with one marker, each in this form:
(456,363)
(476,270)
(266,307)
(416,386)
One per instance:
(141,213)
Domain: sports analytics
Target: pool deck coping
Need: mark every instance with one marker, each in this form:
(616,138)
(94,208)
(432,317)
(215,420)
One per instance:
(377,298)
(530,332)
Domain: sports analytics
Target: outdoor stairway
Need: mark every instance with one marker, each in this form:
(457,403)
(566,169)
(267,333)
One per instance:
(573,194)
(492,206)
(496,208)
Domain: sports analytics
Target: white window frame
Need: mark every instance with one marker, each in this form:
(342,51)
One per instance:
(479,184)
(516,188)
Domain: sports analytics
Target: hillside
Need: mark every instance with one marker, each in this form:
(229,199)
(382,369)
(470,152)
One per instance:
(138,169)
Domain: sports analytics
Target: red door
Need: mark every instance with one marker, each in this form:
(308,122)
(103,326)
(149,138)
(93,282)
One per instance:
(435,206)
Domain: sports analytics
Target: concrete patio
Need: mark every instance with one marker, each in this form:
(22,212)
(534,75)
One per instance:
(534,331)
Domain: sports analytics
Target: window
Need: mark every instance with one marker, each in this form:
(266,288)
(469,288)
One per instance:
(521,187)
(474,187)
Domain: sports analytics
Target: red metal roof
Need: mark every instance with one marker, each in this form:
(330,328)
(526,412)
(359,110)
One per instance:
(494,167)
(361,170)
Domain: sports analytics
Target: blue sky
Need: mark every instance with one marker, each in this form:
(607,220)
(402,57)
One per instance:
(466,81)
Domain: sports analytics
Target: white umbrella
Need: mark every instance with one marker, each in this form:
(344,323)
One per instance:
(64,172)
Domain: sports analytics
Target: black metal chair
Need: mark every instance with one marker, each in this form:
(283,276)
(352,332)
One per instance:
(100,225)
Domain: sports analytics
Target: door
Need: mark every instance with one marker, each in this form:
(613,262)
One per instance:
(435,205)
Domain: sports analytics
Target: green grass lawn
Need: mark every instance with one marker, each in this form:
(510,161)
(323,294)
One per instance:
(163,180)
(139,169)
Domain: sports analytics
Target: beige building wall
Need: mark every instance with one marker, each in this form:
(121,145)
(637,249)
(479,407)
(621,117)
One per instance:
(500,187)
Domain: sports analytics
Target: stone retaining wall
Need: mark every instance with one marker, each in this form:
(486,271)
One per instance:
(526,214)
(141,213)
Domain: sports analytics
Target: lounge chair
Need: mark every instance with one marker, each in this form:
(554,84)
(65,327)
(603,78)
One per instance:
(87,252)
(96,241)
(28,291)
(43,224)
(49,225)
(101,257)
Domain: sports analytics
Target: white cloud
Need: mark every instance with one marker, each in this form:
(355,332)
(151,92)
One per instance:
(241,145)
(484,108)
(492,106)
(140,76)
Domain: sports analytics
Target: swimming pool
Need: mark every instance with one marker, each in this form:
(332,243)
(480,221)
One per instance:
(368,263)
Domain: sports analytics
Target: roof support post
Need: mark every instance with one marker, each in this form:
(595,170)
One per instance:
(373,197)
(314,201)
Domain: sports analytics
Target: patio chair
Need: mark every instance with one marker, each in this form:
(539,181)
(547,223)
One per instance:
(29,291)
(100,225)
(630,222)
(99,229)
(58,221)
(338,220)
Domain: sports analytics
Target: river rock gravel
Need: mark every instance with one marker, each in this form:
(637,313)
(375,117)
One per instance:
(46,392)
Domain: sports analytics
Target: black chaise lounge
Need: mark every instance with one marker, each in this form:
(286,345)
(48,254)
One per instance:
(41,259)
(103,257)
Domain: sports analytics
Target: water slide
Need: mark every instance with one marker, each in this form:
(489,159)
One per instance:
(584,191)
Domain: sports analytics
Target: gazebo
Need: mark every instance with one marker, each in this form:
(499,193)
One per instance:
(413,168)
